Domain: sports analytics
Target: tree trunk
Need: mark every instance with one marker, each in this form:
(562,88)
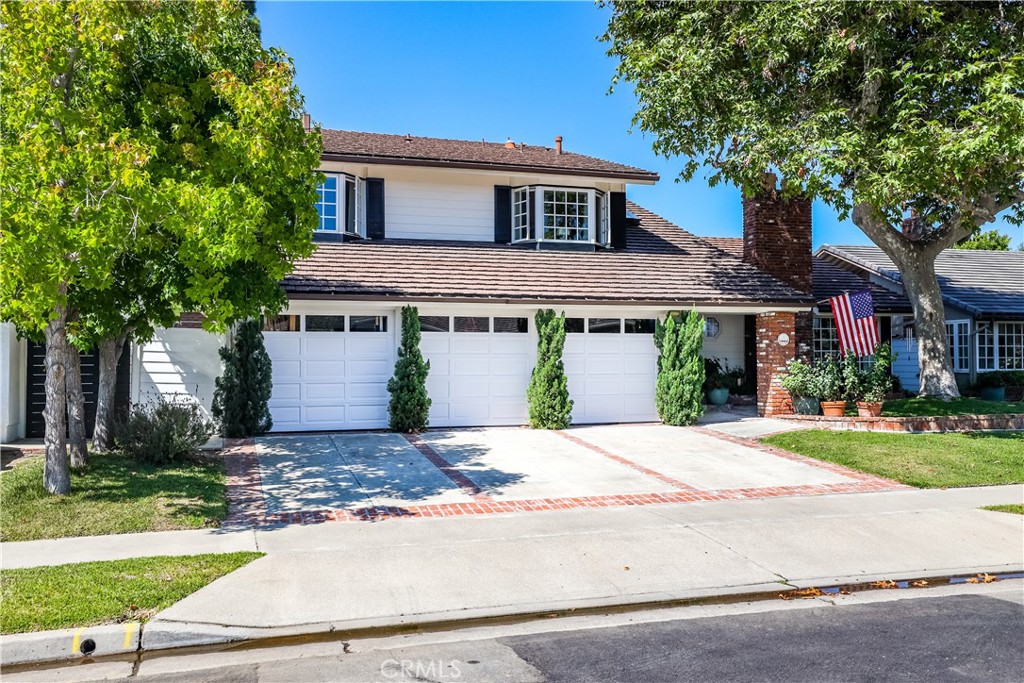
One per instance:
(110,355)
(76,409)
(922,287)
(56,476)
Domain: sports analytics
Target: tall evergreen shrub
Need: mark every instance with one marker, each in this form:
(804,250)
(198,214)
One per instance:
(548,394)
(410,405)
(678,392)
(243,390)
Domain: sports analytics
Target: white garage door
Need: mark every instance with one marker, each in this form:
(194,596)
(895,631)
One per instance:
(330,371)
(612,365)
(479,369)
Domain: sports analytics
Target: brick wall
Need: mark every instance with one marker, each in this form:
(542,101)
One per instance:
(777,235)
(772,357)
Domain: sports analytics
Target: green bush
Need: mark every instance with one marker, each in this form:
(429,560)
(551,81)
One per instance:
(548,394)
(830,378)
(802,380)
(409,407)
(877,381)
(240,400)
(679,394)
(163,432)
(1000,378)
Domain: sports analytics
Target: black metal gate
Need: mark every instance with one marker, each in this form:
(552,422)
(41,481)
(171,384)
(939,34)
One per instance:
(35,399)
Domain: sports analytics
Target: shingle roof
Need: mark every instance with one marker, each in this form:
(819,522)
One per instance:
(662,263)
(985,283)
(344,145)
(830,280)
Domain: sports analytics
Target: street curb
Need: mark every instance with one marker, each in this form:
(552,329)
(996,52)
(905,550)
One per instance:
(70,643)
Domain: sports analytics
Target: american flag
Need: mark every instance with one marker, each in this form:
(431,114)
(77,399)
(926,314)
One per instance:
(855,322)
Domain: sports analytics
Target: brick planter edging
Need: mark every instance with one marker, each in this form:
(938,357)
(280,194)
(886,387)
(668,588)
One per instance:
(942,423)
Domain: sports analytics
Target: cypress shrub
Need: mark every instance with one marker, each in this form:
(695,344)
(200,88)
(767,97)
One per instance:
(548,394)
(410,405)
(243,390)
(678,392)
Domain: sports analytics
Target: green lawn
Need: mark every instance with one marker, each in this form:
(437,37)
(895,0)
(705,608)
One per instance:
(930,407)
(1015,509)
(115,495)
(924,460)
(71,595)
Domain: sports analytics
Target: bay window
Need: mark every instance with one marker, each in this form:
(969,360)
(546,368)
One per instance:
(341,204)
(559,214)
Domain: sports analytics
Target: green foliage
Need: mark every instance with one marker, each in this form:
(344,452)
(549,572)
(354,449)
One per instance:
(166,431)
(877,380)
(803,380)
(831,380)
(994,380)
(548,394)
(990,240)
(853,379)
(243,390)
(409,408)
(679,395)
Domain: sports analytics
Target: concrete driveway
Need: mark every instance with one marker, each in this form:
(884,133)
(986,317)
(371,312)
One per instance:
(492,470)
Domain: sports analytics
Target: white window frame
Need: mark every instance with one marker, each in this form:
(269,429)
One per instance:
(598,227)
(342,181)
(998,359)
(957,331)
(339,204)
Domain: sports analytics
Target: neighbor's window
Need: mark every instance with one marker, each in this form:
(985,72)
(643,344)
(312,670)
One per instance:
(1000,346)
(341,204)
(559,214)
(825,338)
(958,335)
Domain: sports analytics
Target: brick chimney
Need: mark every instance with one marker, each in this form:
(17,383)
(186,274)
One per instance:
(306,122)
(777,234)
(558,144)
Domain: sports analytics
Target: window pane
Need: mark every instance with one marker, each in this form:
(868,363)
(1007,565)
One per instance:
(434,323)
(604,325)
(327,203)
(281,323)
(511,325)
(367,323)
(574,325)
(1011,346)
(825,338)
(465,324)
(329,223)
(325,323)
(639,325)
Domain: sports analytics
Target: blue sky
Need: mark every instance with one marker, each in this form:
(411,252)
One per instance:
(494,70)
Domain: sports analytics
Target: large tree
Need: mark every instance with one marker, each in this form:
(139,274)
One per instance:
(883,110)
(144,136)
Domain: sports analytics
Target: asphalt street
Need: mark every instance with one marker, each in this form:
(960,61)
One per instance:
(970,633)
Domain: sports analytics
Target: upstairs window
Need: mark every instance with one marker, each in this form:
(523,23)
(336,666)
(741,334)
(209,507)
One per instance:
(559,214)
(341,204)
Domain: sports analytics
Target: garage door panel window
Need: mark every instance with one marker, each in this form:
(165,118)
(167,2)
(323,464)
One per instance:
(512,325)
(575,326)
(325,323)
(639,325)
(472,324)
(435,323)
(281,323)
(368,323)
(604,326)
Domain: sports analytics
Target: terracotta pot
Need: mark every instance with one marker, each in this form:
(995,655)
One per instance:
(833,408)
(869,408)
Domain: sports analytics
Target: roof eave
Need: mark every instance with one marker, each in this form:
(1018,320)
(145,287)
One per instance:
(646,178)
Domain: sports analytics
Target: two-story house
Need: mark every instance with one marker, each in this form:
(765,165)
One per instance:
(479,236)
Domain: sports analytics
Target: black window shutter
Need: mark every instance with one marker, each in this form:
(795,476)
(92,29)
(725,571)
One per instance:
(375,208)
(502,214)
(617,218)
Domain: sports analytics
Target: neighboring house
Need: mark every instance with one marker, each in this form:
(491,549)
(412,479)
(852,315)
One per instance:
(983,293)
(479,236)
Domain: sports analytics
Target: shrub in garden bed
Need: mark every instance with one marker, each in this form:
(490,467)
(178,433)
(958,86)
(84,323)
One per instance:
(165,431)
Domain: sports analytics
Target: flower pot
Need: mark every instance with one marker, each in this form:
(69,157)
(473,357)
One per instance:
(806,406)
(993,393)
(869,408)
(718,397)
(833,408)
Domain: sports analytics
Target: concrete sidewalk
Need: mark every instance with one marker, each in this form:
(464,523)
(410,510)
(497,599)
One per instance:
(339,577)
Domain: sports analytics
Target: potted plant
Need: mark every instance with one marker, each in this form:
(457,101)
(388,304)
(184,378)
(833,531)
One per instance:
(831,389)
(716,382)
(992,386)
(802,383)
(873,385)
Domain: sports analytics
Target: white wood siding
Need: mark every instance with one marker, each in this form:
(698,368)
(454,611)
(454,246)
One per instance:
(416,209)
(178,362)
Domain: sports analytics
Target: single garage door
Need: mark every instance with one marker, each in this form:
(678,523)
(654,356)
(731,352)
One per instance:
(330,371)
(479,369)
(612,365)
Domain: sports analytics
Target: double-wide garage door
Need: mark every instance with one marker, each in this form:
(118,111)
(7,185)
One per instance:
(331,371)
